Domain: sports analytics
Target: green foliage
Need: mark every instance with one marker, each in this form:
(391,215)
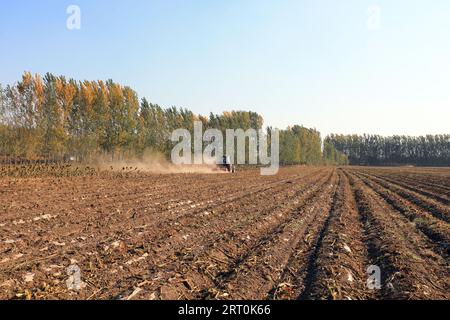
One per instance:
(300,145)
(430,150)
(332,156)
(55,118)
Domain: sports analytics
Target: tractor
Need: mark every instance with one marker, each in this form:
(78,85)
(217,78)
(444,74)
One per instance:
(227,165)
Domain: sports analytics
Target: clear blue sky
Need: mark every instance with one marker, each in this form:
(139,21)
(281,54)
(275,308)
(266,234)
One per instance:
(310,62)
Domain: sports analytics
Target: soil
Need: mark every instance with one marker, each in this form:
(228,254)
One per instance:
(305,233)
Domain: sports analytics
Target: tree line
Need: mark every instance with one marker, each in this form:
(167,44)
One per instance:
(300,145)
(430,150)
(54,117)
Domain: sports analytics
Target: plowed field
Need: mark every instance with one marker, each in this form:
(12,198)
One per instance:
(306,233)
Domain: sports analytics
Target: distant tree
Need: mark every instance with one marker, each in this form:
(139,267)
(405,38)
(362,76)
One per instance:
(430,150)
(53,117)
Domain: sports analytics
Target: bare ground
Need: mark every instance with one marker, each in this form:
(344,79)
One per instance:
(306,233)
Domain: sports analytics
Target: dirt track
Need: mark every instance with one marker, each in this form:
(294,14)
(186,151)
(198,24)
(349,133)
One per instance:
(306,233)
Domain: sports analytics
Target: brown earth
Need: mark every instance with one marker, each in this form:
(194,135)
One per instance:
(306,233)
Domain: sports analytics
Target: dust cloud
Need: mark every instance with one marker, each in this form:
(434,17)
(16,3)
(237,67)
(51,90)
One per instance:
(151,162)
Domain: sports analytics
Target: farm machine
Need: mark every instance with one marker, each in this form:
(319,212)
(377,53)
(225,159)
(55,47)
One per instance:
(226,165)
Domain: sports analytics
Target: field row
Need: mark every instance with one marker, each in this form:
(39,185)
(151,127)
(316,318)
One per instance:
(306,233)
